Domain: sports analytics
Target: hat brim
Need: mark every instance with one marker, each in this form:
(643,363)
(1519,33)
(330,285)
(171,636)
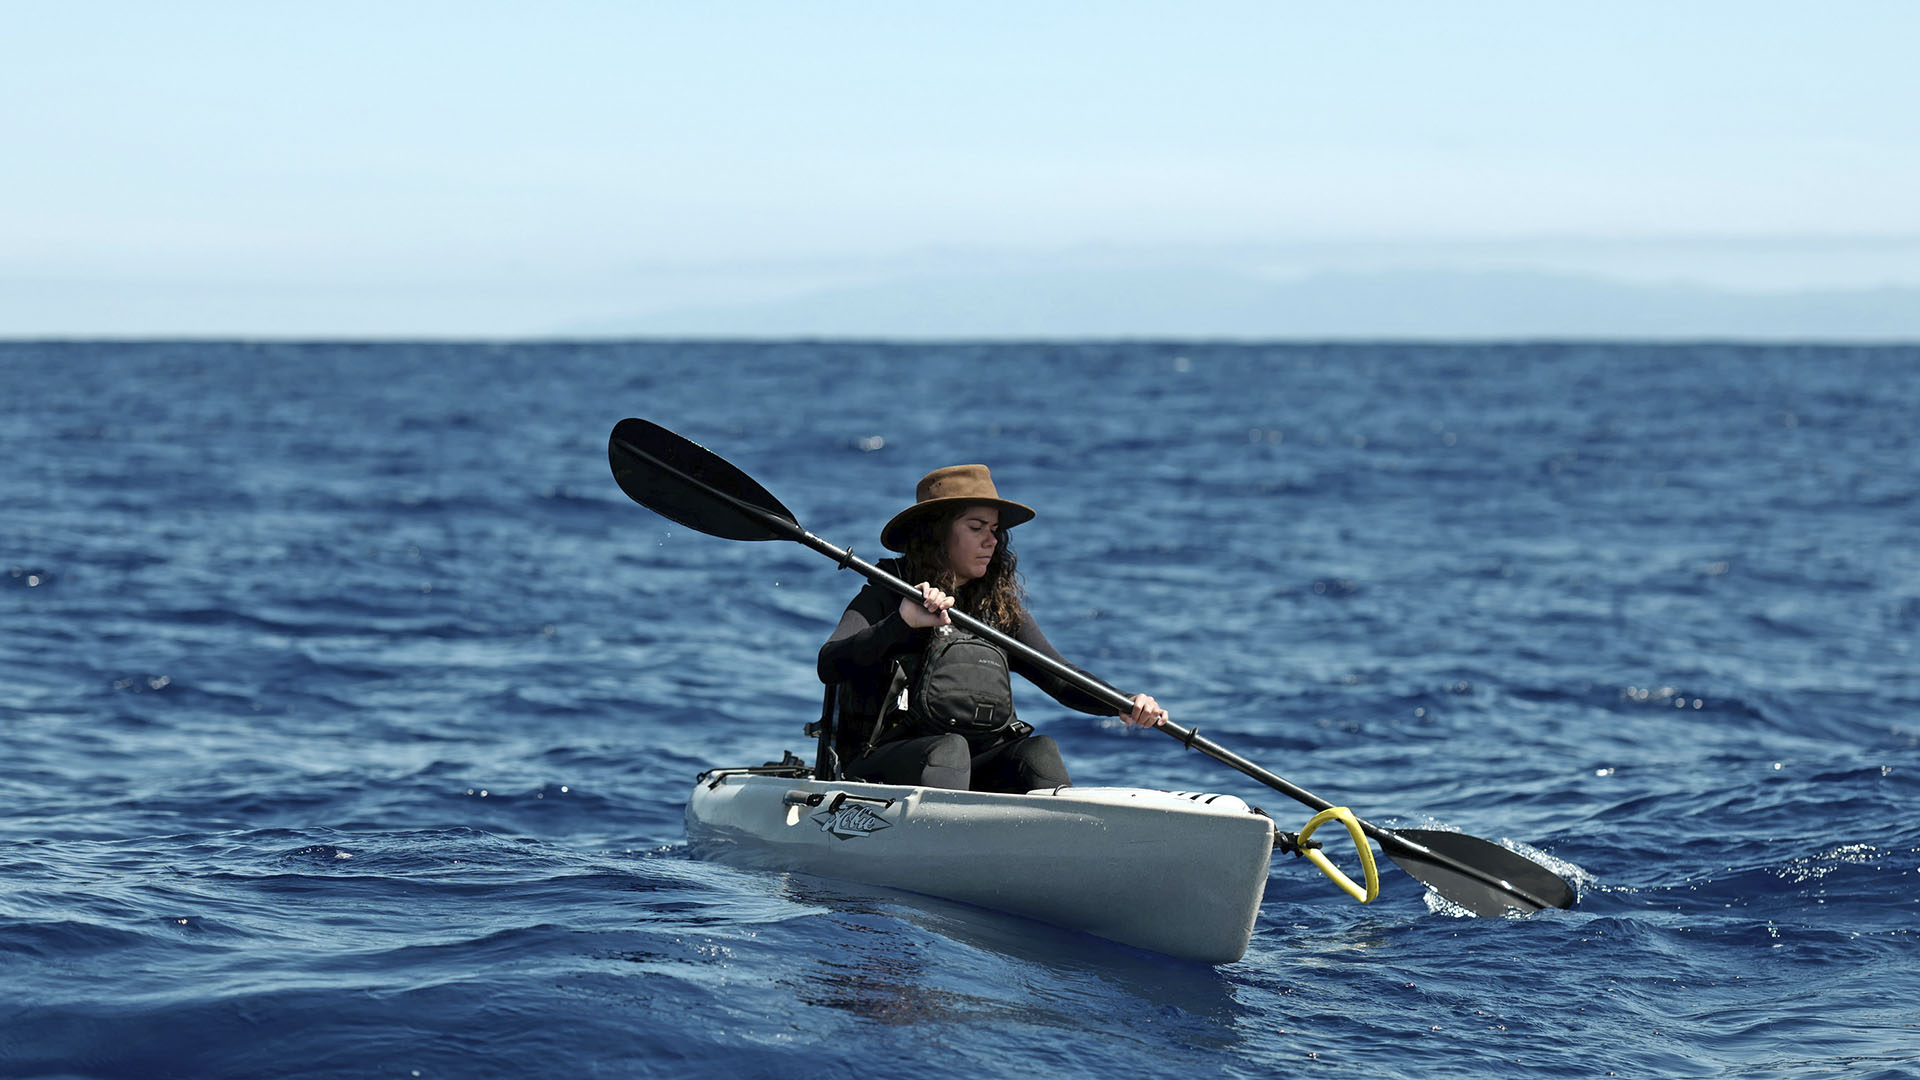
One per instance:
(894,536)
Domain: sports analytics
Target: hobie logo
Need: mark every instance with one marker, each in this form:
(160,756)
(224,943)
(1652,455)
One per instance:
(850,821)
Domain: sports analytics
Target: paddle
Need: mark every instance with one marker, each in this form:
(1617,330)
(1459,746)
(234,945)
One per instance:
(689,484)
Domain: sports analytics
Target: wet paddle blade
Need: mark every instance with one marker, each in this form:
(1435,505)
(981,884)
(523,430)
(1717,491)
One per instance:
(1529,885)
(685,482)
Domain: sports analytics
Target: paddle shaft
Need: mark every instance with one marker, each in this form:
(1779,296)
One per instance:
(784,527)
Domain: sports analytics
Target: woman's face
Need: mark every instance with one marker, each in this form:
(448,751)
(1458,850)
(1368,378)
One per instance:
(971,542)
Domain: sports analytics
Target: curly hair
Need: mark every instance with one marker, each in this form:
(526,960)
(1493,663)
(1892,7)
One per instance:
(997,598)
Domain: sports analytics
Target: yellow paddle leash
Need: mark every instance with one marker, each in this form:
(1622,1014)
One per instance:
(1318,858)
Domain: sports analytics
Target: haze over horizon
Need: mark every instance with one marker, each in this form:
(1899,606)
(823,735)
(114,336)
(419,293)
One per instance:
(1239,169)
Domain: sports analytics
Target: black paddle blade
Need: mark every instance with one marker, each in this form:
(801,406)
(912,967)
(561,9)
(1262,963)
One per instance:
(685,482)
(1529,885)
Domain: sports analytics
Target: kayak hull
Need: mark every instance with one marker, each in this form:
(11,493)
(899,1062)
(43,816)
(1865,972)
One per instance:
(1174,873)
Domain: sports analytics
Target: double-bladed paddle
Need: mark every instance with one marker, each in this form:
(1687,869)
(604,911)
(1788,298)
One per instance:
(689,484)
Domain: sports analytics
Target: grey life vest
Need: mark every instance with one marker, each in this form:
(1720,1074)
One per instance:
(961,684)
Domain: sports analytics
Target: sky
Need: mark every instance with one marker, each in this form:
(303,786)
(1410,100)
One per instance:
(506,170)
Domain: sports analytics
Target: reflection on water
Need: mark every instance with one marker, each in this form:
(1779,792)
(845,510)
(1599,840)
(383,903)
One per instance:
(911,959)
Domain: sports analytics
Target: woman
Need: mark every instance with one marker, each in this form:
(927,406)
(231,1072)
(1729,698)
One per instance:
(954,542)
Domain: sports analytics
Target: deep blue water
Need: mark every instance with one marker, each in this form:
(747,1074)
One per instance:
(350,708)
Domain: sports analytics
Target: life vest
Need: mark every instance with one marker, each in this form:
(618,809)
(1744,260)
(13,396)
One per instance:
(974,699)
(961,684)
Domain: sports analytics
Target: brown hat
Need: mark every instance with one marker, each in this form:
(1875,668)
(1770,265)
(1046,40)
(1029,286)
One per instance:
(949,488)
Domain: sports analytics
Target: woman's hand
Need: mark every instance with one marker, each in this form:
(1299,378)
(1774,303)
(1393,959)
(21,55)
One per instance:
(1146,712)
(928,611)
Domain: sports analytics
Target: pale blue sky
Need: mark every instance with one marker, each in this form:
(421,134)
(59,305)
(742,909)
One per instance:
(490,168)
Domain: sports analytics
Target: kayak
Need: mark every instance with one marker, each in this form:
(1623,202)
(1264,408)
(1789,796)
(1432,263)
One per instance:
(1175,873)
(1194,867)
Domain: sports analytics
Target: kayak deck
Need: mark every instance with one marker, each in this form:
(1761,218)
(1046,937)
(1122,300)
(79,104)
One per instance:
(1174,873)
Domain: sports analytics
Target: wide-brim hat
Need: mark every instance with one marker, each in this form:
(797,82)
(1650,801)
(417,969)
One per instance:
(948,489)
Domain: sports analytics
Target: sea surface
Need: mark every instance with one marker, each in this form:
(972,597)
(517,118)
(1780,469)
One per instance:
(350,710)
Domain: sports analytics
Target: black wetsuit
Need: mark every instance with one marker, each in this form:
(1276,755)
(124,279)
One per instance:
(859,654)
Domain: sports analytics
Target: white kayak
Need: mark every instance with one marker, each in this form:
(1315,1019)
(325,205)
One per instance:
(1175,873)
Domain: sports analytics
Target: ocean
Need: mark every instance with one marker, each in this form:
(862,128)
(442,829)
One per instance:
(351,709)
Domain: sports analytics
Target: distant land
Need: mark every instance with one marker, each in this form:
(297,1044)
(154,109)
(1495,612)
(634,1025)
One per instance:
(1757,291)
(1209,303)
